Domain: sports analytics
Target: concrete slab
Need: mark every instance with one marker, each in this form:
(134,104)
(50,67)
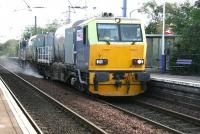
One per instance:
(177,79)
(8,123)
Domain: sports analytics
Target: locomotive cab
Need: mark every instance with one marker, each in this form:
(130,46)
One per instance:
(111,56)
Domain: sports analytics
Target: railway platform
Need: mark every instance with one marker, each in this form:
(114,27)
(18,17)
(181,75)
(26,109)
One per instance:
(12,119)
(193,81)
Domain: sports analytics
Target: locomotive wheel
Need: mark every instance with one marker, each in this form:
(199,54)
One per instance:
(87,91)
(79,86)
(144,86)
(76,84)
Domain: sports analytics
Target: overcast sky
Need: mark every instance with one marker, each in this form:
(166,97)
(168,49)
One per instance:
(15,15)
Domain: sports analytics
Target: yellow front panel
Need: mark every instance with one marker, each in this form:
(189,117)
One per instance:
(109,89)
(119,56)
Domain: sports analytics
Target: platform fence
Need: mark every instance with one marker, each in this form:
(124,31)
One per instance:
(187,63)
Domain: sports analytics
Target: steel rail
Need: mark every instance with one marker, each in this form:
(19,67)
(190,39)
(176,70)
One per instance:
(173,113)
(91,125)
(144,118)
(169,113)
(172,100)
(30,119)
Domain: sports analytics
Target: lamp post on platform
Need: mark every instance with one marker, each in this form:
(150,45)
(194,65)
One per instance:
(163,56)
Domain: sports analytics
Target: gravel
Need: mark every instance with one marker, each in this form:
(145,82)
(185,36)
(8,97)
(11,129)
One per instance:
(49,117)
(108,118)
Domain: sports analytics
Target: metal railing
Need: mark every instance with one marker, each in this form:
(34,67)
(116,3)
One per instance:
(44,54)
(193,68)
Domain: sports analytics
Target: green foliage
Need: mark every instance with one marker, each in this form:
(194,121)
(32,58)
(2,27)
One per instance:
(188,47)
(190,31)
(184,20)
(153,27)
(178,17)
(181,17)
(9,48)
(190,40)
(155,13)
(52,26)
(30,31)
(197,3)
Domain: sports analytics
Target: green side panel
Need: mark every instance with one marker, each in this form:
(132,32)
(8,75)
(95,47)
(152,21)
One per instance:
(92,32)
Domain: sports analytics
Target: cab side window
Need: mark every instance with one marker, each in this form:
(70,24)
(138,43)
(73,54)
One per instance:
(85,35)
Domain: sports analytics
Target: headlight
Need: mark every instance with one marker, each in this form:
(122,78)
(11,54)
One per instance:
(138,61)
(117,20)
(101,61)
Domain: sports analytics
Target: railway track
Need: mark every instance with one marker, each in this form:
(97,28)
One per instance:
(180,98)
(160,114)
(186,96)
(47,114)
(161,117)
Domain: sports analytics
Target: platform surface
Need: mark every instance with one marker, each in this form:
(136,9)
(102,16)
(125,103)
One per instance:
(12,119)
(8,123)
(177,79)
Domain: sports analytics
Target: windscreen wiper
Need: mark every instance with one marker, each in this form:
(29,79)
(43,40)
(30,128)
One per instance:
(107,42)
(133,43)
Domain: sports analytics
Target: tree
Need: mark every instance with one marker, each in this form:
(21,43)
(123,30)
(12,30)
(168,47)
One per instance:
(184,20)
(188,27)
(197,3)
(181,17)
(52,26)
(190,33)
(30,30)
(152,10)
(9,48)
(177,16)
(155,13)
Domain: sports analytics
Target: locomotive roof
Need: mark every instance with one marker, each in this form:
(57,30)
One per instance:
(61,30)
(111,19)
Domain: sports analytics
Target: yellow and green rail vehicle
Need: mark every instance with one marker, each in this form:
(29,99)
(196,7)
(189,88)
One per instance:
(104,56)
(117,55)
